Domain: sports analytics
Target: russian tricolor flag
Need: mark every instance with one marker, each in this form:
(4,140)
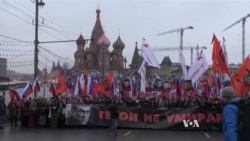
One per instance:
(93,87)
(27,91)
(179,84)
(78,87)
(52,89)
(15,94)
(113,88)
(36,86)
(133,86)
(217,84)
(226,81)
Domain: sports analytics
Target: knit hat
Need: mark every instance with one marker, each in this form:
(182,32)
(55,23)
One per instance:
(228,92)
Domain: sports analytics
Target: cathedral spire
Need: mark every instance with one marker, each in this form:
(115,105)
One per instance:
(97,30)
(136,60)
(98,11)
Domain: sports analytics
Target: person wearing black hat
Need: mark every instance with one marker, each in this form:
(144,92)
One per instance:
(2,110)
(230,119)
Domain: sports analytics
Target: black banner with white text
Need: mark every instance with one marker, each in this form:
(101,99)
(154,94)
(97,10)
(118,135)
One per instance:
(138,117)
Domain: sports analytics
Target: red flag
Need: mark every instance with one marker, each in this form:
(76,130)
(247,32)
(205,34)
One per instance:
(105,86)
(12,96)
(61,85)
(110,77)
(86,75)
(218,57)
(211,80)
(238,80)
(108,81)
(95,90)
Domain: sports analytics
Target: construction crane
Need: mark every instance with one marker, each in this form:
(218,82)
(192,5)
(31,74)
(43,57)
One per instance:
(176,49)
(243,20)
(181,30)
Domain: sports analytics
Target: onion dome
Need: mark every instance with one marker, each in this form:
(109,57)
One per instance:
(118,44)
(98,10)
(103,41)
(80,40)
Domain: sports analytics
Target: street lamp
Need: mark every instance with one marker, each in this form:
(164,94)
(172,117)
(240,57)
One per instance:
(36,42)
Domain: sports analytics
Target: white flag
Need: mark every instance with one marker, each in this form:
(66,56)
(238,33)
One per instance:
(199,66)
(76,90)
(82,81)
(148,55)
(227,78)
(197,52)
(88,84)
(183,65)
(224,51)
(142,72)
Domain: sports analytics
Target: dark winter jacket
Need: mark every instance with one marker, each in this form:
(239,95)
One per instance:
(2,107)
(114,111)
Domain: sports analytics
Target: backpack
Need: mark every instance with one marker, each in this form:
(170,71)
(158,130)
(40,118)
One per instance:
(244,118)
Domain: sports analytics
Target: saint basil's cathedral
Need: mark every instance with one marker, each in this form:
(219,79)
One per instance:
(102,57)
(98,57)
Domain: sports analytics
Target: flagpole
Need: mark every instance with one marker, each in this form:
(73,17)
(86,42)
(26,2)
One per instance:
(45,75)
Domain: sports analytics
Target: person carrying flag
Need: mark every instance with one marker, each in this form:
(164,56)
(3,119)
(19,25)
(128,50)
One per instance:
(13,112)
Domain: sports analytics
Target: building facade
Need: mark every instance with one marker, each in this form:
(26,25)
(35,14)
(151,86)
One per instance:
(98,57)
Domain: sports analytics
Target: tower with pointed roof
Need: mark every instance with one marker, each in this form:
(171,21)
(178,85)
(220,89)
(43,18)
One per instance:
(136,60)
(97,31)
(79,54)
(117,59)
(97,56)
(136,63)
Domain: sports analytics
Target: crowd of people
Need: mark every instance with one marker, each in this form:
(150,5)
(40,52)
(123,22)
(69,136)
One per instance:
(43,112)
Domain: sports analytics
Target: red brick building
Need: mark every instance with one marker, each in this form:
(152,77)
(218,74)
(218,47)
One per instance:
(98,57)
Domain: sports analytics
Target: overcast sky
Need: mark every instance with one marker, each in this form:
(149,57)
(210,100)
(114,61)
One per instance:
(132,19)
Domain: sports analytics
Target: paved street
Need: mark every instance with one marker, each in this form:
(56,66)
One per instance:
(98,134)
